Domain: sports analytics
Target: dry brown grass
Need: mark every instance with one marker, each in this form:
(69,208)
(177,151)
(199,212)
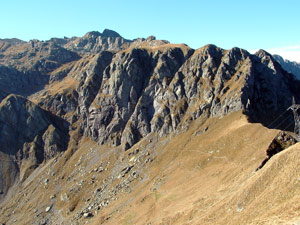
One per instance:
(199,173)
(65,86)
(204,179)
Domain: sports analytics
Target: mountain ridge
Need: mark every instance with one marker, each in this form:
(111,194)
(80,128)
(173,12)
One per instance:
(105,107)
(292,67)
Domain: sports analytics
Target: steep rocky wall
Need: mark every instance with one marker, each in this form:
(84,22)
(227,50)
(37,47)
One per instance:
(29,135)
(144,91)
(121,97)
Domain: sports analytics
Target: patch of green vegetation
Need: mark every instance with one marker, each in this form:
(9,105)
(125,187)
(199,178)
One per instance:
(156,195)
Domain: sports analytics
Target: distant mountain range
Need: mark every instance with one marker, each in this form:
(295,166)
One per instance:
(291,67)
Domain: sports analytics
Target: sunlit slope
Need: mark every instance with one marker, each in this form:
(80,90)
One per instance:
(211,179)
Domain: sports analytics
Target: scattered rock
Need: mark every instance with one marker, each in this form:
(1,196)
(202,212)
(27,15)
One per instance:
(87,215)
(126,170)
(132,159)
(201,131)
(52,196)
(43,222)
(64,197)
(48,209)
(239,208)
(134,152)
(134,174)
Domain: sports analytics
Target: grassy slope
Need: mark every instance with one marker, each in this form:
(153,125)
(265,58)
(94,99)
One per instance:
(193,179)
(210,179)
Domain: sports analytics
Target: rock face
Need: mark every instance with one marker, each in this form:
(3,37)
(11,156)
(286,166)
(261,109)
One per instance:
(108,40)
(21,83)
(26,68)
(126,98)
(28,133)
(163,89)
(6,43)
(122,97)
(292,67)
(38,56)
(94,42)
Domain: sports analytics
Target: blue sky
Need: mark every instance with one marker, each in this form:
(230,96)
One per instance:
(271,25)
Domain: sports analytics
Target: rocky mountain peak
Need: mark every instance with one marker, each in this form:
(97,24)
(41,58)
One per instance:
(106,33)
(268,60)
(151,38)
(12,41)
(262,53)
(265,56)
(92,34)
(110,33)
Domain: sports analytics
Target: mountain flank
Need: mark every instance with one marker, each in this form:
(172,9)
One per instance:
(292,67)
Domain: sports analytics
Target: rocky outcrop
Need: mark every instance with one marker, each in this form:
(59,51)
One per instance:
(281,141)
(39,56)
(26,68)
(161,89)
(22,83)
(95,42)
(90,81)
(272,88)
(28,133)
(6,43)
(72,101)
(61,103)
(125,100)
(122,97)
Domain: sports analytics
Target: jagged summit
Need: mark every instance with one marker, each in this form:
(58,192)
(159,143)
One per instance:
(93,34)
(106,33)
(110,33)
(262,53)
